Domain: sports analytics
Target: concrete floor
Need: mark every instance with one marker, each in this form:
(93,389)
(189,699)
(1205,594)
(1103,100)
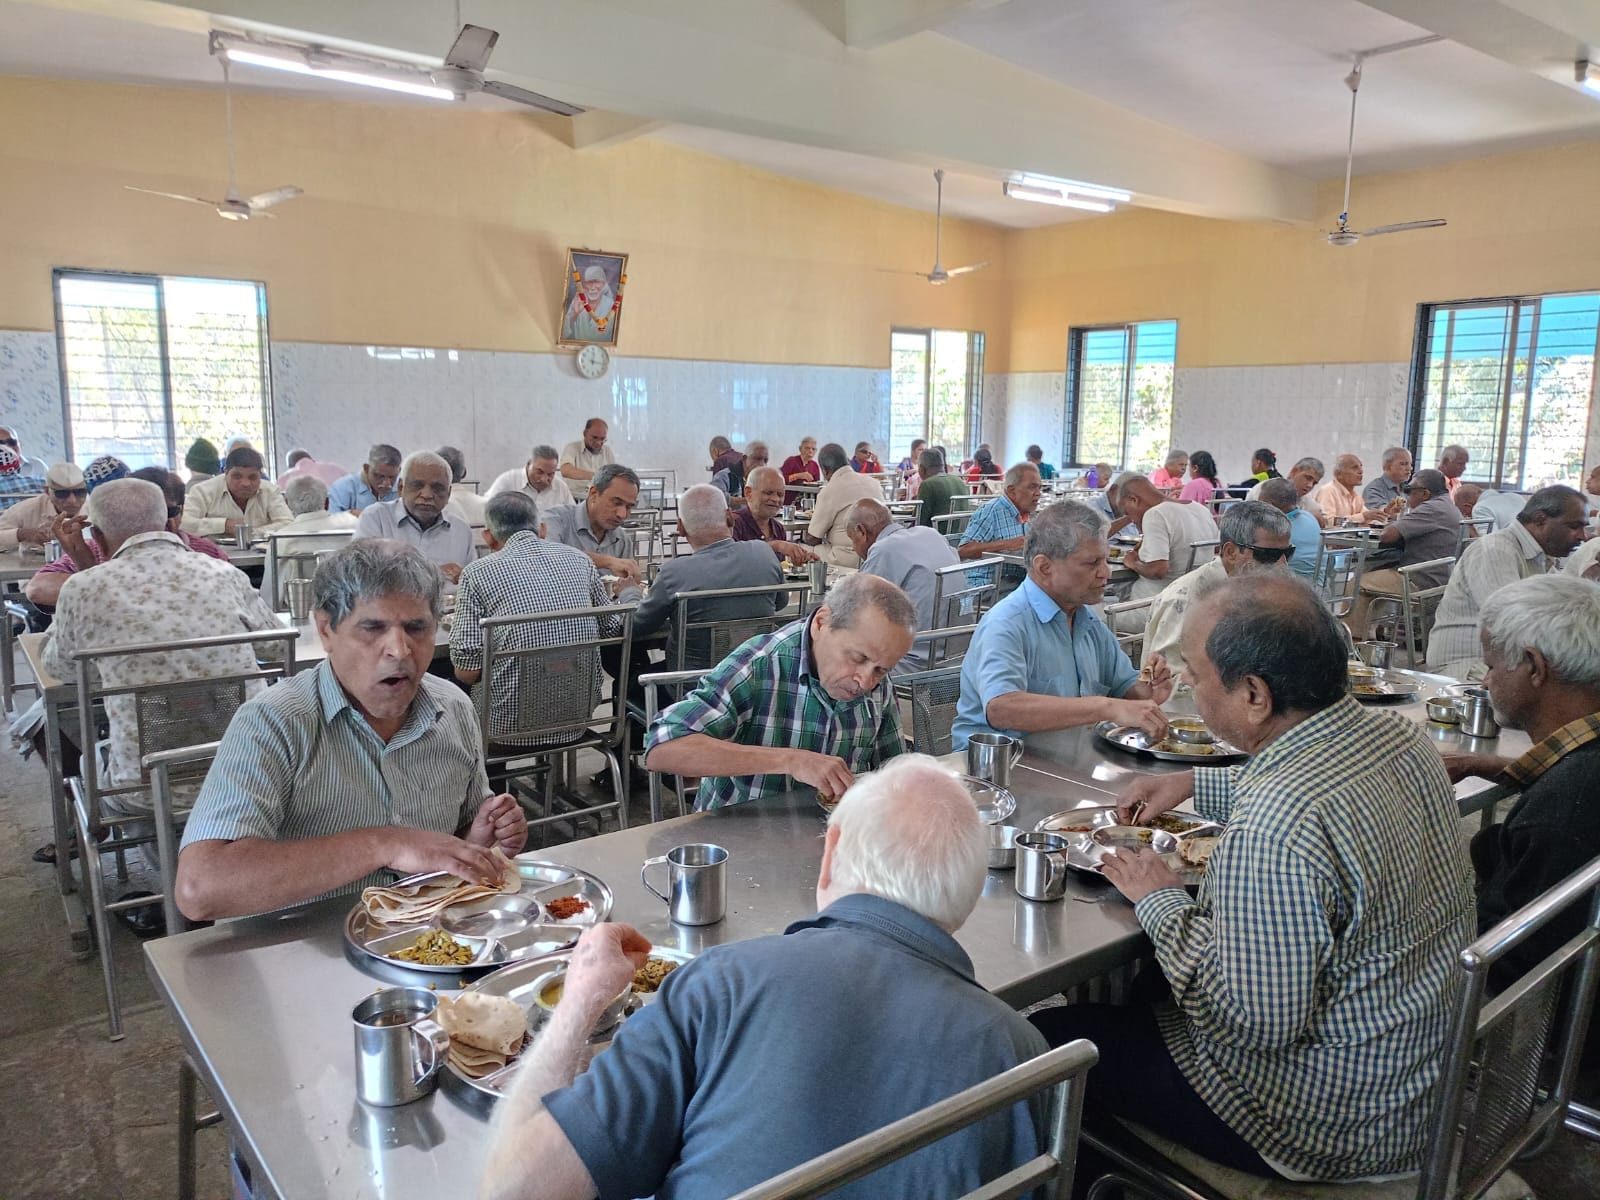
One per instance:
(96,1119)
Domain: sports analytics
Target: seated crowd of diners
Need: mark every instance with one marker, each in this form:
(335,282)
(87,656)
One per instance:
(1297,1016)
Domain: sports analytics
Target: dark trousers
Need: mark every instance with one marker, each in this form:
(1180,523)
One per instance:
(1137,1079)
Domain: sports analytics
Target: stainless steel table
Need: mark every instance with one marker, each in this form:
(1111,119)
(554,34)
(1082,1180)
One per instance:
(263,1004)
(60,706)
(16,568)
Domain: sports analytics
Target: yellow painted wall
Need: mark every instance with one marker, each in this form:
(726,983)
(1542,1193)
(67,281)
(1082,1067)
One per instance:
(1256,294)
(444,227)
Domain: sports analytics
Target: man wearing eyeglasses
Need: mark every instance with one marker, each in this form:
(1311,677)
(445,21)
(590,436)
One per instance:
(420,517)
(28,522)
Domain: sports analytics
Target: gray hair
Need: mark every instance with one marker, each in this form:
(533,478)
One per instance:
(908,832)
(1244,522)
(832,457)
(509,513)
(1455,450)
(703,509)
(761,473)
(847,599)
(720,445)
(1274,626)
(296,455)
(609,474)
(369,569)
(1557,615)
(121,508)
(1549,502)
(456,461)
(1058,531)
(1394,452)
(1114,488)
(543,451)
(870,516)
(1308,463)
(1016,473)
(750,450)
(422,458)
(1281,494)
(305,494)
(930,462)
(1175,455)
(381,454)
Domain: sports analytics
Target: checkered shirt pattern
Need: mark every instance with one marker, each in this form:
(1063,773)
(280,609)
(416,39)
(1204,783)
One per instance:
(1313,975)
(765,693)
(1553,749)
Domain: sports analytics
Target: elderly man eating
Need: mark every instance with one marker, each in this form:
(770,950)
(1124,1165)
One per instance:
(758,520)
(422,516)
(842,489)
(1340,497)
(539,479)
(808,703)
(355,493)
(239,496)
(594,524)
(1171,528)
(1041,659)
(1312,977)
(998,526)
(30,522)
(761,1054)
(1387,493)
(358,770)
(582,460)
(908,559)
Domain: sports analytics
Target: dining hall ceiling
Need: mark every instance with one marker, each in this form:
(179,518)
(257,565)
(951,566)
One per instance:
(1224,108)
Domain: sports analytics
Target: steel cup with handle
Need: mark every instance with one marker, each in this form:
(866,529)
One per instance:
(990,757)
(697,883)
(399,1046)
(1042,866)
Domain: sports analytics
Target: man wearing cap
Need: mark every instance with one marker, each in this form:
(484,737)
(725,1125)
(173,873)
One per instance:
(104,469)
(12,440)
(15,484)
(28,522)
(1429,529)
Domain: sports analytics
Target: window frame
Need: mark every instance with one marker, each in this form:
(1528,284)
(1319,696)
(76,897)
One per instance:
(977,348)
(159,283)
(1074,383)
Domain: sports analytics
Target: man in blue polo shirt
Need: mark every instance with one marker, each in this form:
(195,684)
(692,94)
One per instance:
(762,1054)
(1041,659)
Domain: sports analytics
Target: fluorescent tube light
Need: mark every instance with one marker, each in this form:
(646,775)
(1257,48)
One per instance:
(298,66)
(1042,195)
(1092,190)
(1589,74)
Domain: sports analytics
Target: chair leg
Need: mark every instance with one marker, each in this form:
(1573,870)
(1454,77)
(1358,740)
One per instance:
(619,780)
(90,866)
(1583,1121)
(188,1086)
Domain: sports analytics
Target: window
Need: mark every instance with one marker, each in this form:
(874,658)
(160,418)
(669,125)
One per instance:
(1510,380)
(151,362)
(935,390)
(1119,394)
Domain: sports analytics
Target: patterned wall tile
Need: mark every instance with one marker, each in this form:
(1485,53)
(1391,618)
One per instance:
(30,392)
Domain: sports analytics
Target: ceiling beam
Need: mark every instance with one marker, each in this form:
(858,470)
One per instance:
(1543,37)
(869,24)
(771,69)
(599,130)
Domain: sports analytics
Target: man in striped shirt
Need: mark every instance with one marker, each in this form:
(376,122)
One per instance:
(808,704)
(1312,976)
(361,769)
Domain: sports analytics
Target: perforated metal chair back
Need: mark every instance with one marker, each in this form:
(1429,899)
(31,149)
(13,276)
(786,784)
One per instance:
(1338,572)
(932,697)
(662,689)
(1131,641)
(701,638)
(294,555)
(1063,1070)
(542,677)
(1475,527)
(1420,605)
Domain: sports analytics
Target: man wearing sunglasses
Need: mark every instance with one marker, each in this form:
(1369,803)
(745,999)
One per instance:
(28,522)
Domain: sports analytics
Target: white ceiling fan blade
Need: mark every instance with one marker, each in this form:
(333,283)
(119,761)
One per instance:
(954,271)
(173,195)
(507,91)
(1403,227)
(472,48)
(265,200)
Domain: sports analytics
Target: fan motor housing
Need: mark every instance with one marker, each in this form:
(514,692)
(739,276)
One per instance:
(1343,237)
(458,80)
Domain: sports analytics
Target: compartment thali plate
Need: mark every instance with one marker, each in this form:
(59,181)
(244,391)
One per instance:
(518,982)
(501,929)
(1136,741)
(1083,853)
(1391,689)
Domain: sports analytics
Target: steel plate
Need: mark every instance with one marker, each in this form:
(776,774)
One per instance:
(1136,741)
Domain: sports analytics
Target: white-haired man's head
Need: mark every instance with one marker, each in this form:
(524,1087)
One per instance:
(1541,643)
(910,833)
(305,494)
(124,508)
(703,513)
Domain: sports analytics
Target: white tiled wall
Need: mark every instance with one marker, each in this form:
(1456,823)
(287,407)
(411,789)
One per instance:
(30,392)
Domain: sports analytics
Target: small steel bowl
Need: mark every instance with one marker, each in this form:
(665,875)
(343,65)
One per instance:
(1362,672)
(1444,711)
(994,803)
(1191,730)
(1003,847)
(558,978)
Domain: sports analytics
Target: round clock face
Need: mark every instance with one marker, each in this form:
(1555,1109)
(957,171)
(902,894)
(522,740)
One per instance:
(593,361)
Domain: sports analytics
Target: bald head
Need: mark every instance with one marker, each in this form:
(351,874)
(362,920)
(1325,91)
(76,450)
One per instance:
(1136,495)
(863,523)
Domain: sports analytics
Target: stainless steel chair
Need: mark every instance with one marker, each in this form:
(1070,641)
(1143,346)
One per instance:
(905,512)
(184,712)
(932,697)
(661,689)
(1340,565)
(1193,558)
(164,767)
(1471,528)
(1503,1091)
(1062,1070)
(962,593)
(1418,607)
(539,701)
(699,643)
(649,547)
(294,555)
(952,524)
(1131,640)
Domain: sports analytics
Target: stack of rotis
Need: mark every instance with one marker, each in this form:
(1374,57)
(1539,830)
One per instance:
(486,1032)
(421,903)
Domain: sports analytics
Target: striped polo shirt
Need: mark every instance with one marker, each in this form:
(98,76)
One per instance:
(300,761)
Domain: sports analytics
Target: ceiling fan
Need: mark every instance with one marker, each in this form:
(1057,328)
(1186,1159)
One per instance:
(939,275)
(233,206)
(1344,235)
(463,68)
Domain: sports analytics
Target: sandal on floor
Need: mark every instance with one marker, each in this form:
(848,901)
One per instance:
(145,922)
(47,853)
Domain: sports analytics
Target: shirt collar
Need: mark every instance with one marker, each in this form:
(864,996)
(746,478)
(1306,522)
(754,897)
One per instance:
(911,931)
(405,515)
(148,539)
(1539,759)
(1043,606)
(331,697)
(1316,727)
(1530,548)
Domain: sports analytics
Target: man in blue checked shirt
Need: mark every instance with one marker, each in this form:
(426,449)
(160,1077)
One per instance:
(1312,977)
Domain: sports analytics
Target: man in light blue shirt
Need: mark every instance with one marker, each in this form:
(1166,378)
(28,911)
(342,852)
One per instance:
(419,517)
(1305,534)
(908,559)
(374,483)
(1041,659)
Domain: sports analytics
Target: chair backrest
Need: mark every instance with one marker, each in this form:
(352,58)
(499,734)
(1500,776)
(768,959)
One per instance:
(1510,1060)
(1473,527)
(162,767)
(905,512)
(662,689)
(962,592)
(1340,565)
(1063,1070)
(705,626)
(1199,552)
(166,714)
(952,524)
(1419,605)
(648,545)
(294,555)
(932,697)
(542,673)
(1132,643)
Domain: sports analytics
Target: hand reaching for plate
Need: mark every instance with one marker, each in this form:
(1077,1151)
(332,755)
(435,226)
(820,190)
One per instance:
(1148,796)
(605,960)
(1137,873)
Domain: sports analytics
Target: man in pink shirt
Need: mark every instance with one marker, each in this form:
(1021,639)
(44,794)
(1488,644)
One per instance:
(301,463)
(1453,465)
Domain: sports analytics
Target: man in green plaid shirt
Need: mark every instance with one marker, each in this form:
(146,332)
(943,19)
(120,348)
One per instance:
(1312,977)
(809,703)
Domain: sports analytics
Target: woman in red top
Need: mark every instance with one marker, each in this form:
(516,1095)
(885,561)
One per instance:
(802,468)
(983,465)
(865,460)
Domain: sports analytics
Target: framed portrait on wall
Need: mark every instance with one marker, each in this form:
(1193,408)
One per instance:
(591,305)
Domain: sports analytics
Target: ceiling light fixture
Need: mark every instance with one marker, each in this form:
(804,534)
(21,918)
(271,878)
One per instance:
(1092,190)
(319,63)
(1050,195)
(1588,74)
